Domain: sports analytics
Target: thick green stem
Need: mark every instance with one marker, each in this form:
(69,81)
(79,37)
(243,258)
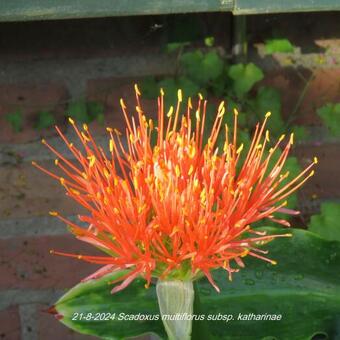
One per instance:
(176,300)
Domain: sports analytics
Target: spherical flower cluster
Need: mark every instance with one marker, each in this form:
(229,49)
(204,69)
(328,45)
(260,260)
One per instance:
(164,203)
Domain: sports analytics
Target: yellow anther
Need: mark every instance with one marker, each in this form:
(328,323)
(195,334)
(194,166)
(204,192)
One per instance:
(221,112)
(108,129)
(71,120)
(235,112)
(192,151)
(198,118)
(56,161)
(274,263)
(84,175)
(268,114)
(122,104)
(170,112)
(191,169)
(85,127)
(177,170)
(189,103)
(291,139)
(111,145)
(200,96)
(43,141)
(240,149)
(137,89)
(62,180)
(282,137)
(85,137)
(312,173)
(92,160)
(106,173)
(162,92)
(179,95)
(53,213)
(75,192)
(315,160)
(221,106)
(117,132)
(151,124)
(267,136)
(288,235)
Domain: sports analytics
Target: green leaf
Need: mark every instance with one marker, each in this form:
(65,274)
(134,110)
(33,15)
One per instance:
(330,115)
(78,111)
(327,223)
(149,88)
(95,110)
(16,120)
(278,46)
(45,120)
(209,41)
(269,99)
(304,288)
(175,46)
(244,77)
(300,132)
(202,68)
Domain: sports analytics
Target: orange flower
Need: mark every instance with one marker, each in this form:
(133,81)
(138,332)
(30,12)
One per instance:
(178,209)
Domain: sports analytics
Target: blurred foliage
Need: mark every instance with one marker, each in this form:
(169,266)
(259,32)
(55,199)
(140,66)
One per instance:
(86,112)
(15,119)
(327,223)
(45,119)
(278,46)
(330,116)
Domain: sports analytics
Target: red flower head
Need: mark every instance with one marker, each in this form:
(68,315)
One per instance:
(179,208)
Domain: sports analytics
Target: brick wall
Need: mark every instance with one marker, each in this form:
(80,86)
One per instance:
(35,78)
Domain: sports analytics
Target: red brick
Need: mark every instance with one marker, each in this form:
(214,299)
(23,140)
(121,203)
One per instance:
(25,192)
(27,263)
(323,88)
(30,99)
(50,328)
(10,324)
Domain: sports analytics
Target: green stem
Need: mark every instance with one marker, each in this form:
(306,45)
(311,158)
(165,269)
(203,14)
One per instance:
(176,300)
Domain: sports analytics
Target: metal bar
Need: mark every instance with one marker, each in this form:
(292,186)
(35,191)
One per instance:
(29,10)
(239,36)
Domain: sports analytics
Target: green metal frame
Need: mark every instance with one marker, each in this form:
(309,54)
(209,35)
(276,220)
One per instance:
(29,10)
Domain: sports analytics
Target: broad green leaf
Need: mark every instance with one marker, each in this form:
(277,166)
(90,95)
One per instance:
(16,120)
(330,115)
(304,287)
(269,99)
(96,111)
(94,299)
(278,45)
(244,77)
(45,120)
(327,223)
(149,88)
(78,111)
(202,68)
